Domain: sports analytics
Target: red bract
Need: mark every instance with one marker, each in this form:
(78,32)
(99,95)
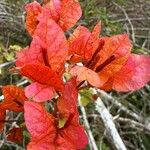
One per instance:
(53,43)
(66,13)
(83,43)
(48,47)
(132,76)
(70,12)
(14,98)
(45,129)
(43,75)
(39,92)
(107,64)
(32,54)
(108,61)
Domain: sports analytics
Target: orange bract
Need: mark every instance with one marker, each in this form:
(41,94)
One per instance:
(84,43)
(84,73)
(33,10)
(132,76)
(70,13)
(43,75)
(66,13)
(53,42)
(14,98)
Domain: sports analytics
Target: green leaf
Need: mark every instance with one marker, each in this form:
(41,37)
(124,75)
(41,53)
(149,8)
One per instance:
(62,122)
(67,76)
(86,96)
(26,134)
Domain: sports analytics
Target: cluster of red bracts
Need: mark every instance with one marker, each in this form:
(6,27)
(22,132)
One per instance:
(107,64)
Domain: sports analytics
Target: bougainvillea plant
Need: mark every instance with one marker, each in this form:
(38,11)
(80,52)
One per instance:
(61,59)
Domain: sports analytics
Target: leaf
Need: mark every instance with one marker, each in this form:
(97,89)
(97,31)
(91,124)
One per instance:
(61,122)
(35,72)
(14,98)
(70,13)
(2,119)
(86,96)
(33,10)
(133,75)
(15,135)
(83,73)
(53,41)
(39,92)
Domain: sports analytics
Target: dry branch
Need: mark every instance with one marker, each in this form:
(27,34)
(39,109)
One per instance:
(112,133)
(92,142)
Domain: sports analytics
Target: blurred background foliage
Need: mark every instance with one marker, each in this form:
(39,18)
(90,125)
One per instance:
(117,16)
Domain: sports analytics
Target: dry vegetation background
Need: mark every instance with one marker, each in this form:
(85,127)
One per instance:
(130,111)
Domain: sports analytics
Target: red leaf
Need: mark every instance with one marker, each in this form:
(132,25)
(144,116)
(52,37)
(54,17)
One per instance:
(15,135)
(39,92)
(43,75)
(84,73)
(53,40)
(133,75)
(2,119)
(33,10)
(14,98)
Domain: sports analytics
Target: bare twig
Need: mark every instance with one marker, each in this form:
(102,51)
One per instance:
(91,138)
(134,124)
(128,19)
(6,64)
(120,106)
(111,130)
